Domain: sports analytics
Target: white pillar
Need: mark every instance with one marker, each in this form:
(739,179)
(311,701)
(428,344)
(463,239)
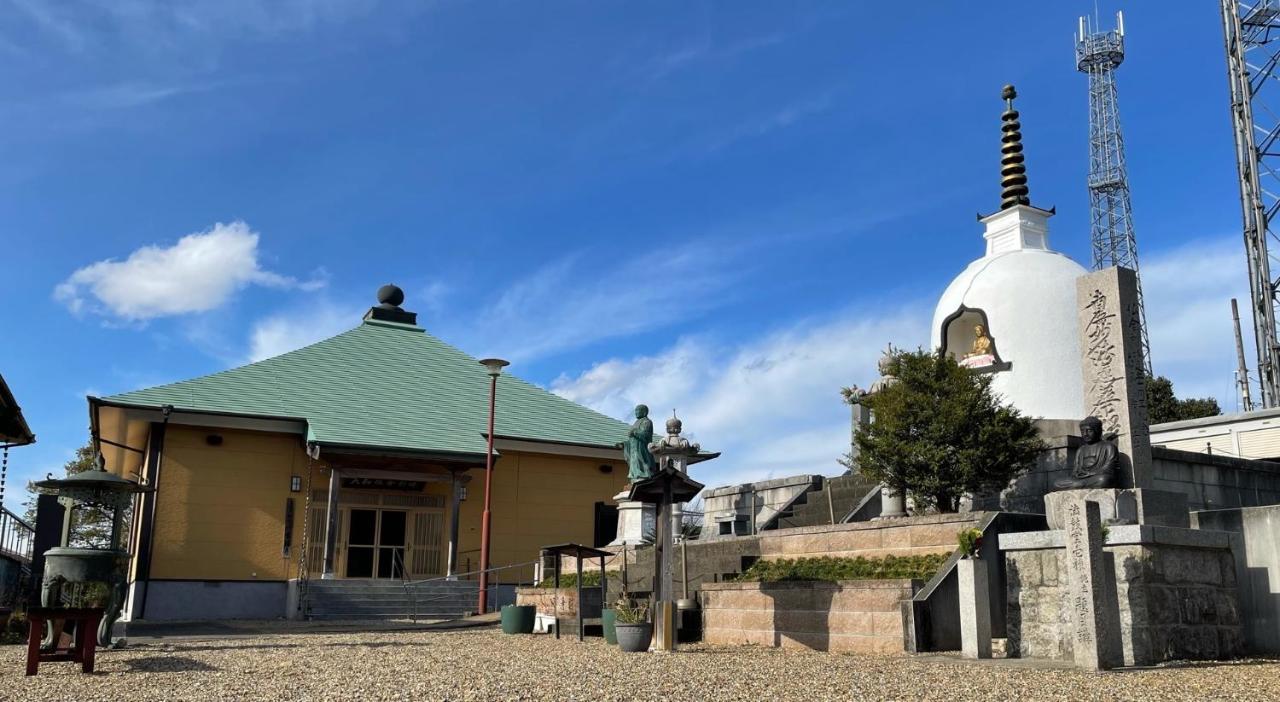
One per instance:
(975,608)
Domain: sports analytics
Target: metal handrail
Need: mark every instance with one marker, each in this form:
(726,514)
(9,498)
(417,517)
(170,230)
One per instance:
(17,537)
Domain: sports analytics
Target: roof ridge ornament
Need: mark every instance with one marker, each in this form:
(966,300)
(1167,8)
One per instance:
(1013,171)
(390,297)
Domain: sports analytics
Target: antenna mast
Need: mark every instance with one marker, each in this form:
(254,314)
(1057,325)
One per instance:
(1242,371)
(1098,54)
(1252,56)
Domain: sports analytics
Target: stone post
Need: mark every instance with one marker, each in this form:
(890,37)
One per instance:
(975,608)
(1115,378)
(1093,624)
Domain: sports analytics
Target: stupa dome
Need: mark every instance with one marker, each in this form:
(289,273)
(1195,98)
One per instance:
(1020,296)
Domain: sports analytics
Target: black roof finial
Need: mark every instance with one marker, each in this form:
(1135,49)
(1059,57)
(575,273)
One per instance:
(1013,174)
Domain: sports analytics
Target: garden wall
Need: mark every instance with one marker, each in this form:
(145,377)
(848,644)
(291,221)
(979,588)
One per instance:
(862,616)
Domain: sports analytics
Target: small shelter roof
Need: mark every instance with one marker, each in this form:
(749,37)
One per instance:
(14,430)
(576,550)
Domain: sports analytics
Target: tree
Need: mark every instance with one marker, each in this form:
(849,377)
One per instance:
(1164,406)
(940,433)
(91,525)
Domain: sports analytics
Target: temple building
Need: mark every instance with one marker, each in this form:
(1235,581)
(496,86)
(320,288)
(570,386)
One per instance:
(1012,312)
(358,457)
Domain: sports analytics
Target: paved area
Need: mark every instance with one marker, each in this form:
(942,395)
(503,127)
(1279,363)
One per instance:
(483,664)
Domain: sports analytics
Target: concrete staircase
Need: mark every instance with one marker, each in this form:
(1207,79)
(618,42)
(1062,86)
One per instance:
(812,509)
(390,599)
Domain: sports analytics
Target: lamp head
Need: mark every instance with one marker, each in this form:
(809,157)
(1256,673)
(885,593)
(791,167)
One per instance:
(494,366)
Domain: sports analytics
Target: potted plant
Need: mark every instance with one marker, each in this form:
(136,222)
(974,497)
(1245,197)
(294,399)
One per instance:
(632,625)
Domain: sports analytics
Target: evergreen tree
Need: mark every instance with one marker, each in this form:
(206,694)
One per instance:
(1164,406)
(939,433)
(91,525)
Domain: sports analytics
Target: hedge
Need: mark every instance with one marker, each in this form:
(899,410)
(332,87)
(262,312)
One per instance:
(829,569)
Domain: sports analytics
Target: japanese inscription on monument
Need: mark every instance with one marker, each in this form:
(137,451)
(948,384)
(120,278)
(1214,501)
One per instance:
(1111,360)
(1094,625)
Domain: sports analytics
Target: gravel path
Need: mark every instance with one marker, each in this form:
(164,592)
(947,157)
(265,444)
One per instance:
(485,665)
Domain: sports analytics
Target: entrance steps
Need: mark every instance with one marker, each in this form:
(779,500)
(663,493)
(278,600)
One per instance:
(390,599)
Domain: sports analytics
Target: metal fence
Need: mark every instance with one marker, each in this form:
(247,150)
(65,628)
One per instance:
(16,536)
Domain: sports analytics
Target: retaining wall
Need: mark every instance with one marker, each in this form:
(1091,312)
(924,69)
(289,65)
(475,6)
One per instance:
(862,616)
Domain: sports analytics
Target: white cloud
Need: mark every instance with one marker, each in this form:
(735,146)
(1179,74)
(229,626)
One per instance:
(771,404)
(279,334)
(1187,292)
(198,273)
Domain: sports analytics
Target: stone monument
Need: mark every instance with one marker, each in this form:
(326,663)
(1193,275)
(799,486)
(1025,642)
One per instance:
(1114,374)
(1094,623)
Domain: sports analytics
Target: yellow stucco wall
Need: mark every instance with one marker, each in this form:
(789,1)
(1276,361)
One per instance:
(220,510)
(538,500)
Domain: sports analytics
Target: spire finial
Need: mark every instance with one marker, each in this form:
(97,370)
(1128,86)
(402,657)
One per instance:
(1013,174)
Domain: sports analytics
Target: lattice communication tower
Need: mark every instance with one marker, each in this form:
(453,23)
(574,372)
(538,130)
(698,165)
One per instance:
(1251,32)
(1098,54)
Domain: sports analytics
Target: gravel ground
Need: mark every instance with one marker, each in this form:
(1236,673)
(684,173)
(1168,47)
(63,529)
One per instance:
(485,665)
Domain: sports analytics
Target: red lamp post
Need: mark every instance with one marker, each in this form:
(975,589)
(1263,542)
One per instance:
(494,366)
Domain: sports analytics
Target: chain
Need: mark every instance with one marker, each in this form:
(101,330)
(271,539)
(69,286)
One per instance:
(306,535)
(4,470)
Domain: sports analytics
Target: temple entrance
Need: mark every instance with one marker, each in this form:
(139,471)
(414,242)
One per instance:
(376,541)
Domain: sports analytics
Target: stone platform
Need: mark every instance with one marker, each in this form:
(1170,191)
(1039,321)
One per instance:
(1174,592)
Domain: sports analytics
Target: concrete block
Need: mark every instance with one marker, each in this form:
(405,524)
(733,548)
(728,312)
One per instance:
(975,608)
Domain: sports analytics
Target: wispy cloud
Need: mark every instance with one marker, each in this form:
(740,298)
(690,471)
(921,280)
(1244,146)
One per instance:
(670,61)
(282,333)
(787,116)
(197,274)
(575,302)
(88,25)
(771,404)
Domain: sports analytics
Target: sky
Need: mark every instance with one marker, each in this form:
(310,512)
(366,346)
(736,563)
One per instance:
(723,208)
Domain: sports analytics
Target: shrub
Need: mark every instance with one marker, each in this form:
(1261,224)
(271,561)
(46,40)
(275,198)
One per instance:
(630,611)
(970,541)
(589,579)
(827,569)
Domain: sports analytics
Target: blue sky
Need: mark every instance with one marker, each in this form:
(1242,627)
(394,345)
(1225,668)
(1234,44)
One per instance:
(727,208)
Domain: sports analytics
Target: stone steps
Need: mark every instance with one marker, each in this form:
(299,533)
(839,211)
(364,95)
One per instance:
(374,599)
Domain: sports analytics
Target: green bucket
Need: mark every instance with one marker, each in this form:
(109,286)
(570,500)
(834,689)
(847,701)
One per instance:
(518,619)
(608,618)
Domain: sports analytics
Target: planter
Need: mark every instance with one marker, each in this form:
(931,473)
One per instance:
(608,619)
(518,619)
(634,638)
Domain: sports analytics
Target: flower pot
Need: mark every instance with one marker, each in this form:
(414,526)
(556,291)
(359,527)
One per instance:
(634,638)
(518,619)
(608,619)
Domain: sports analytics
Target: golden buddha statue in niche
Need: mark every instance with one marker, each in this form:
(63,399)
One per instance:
(981,343)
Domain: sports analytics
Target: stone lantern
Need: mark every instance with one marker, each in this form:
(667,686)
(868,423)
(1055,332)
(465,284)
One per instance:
(94,573)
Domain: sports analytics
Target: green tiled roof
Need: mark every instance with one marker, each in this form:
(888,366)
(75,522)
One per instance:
(387,385)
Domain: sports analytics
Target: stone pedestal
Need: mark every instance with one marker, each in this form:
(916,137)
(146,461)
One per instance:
(892,504)
(1114,374)
(1143,506)
(975,608)
(1174,592)
(1093,623)
(637,522)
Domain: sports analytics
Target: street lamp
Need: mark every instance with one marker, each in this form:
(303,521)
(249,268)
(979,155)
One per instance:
(494,366)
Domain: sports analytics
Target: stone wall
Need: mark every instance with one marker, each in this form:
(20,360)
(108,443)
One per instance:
(862,616)
(1216,482)
(563,601)
(1175,591)
(1259,528)
(751,505)
(721,559)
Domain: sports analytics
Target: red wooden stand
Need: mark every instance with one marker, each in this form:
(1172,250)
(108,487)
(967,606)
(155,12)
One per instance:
(81,650)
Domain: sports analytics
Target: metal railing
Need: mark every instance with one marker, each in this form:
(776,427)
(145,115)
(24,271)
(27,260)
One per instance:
(415,597)
(16,537)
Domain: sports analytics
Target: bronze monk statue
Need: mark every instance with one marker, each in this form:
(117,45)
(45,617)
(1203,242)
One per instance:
(640,462)
(1097,462)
